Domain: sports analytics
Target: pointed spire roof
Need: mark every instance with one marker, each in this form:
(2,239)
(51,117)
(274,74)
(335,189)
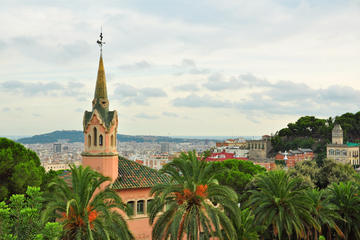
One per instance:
(100,89)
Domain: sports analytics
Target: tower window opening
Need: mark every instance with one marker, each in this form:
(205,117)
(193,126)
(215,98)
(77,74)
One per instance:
(95,136)
(89,140)
(112,140)
(100,140)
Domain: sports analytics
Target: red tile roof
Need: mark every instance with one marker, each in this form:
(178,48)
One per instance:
(135,175)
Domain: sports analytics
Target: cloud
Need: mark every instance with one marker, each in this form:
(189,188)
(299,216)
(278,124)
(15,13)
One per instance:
(195,101)
(170,114)
(6,109)
(128,94)
(187,87)
(71,89)
(218,82)
(188,66)
(136,66)
(146,116)
(279,98)
(49,52)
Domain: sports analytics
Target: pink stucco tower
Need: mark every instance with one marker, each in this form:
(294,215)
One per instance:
(100,128)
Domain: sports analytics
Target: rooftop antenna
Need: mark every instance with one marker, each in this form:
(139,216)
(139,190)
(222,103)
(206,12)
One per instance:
(101,42)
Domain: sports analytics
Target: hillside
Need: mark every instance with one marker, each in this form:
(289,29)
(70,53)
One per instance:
(315,133)
(78,136)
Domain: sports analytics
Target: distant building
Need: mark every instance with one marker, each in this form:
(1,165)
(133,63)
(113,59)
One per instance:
(222,156)
(239,142)
(57,147)
(237,151)
(269,166)
(57,166)
(294,156)
(344,153)
(157,161)
(164,147)
(259,149)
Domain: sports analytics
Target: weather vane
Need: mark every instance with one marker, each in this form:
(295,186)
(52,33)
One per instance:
(100,42)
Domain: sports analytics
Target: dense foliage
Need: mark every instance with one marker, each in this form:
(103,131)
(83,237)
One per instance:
(20,219)
(19,168)
(321,176)
(236,173)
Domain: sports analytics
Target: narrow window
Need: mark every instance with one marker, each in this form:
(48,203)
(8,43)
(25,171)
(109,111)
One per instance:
(89,140)
(148,204)
(140,207)
(112,140)
(131,205)
(95,136)
(100,140)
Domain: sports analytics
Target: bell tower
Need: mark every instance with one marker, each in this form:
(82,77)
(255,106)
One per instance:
(100,129)
(337,135)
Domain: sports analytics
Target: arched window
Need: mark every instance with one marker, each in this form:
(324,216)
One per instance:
(100,140)
(112,140)
(95,136)
(89,140)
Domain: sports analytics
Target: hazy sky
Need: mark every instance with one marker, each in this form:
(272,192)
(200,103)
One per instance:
(229,67)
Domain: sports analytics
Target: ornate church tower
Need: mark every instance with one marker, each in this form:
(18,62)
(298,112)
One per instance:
(100,128)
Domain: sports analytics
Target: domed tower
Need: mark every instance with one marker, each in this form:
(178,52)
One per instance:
(337,135)
(100,129)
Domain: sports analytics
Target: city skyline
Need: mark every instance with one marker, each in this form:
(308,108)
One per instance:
(186,68)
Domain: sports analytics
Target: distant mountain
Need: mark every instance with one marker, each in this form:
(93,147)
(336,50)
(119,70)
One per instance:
(78,136)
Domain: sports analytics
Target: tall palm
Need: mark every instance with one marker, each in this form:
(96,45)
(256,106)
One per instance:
(85,210)
(346,197)
(324,212)
(279,203)
(196,205)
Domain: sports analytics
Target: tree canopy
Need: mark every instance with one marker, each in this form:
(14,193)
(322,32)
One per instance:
(321,176)
(236,173)
(19,168)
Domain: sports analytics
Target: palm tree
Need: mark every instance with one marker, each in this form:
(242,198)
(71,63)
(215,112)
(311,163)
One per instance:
(346,197)
(245,226)
(324,212)
(196,206)
(85,209)
(279,203)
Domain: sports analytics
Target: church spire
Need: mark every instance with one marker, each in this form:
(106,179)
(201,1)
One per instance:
(100,89)
(100,96)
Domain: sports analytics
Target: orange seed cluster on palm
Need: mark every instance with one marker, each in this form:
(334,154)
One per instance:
(77,219)
(187,194)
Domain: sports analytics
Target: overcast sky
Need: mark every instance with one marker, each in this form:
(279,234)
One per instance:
(229,67)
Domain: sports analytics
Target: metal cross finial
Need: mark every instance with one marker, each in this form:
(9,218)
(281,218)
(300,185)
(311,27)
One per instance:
(100,42)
